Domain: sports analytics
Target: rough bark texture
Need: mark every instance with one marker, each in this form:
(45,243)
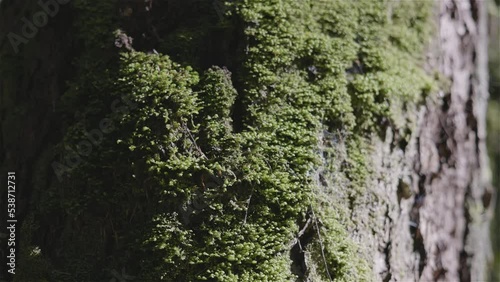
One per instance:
(452,167)
(442,231)
(425,212)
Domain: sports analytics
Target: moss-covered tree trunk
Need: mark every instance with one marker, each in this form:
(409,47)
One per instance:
(246,140)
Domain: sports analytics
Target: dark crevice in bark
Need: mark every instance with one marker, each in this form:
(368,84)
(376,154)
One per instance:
(418,243)
(387,275)
(387,252)
(297,253)
(475,10)
(239,111)
(464,269)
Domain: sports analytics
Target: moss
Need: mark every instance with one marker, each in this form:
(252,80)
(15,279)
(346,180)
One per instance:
(296,81)
(192,199)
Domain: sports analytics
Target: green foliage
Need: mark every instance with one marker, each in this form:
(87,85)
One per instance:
(173,186)
(217,96)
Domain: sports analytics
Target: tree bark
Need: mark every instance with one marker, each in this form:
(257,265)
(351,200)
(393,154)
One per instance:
(456,186)
(441,233)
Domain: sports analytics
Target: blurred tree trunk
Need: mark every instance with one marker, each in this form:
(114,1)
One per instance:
(450,213)
(494,124)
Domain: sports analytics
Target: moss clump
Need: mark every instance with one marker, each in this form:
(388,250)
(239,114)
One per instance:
(173,186)
(333,63)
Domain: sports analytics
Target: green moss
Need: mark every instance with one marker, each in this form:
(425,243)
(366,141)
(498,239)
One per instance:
(296,81)
(174,187)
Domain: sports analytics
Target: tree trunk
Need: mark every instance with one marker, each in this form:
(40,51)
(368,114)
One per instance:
(448,217)
(246,140)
